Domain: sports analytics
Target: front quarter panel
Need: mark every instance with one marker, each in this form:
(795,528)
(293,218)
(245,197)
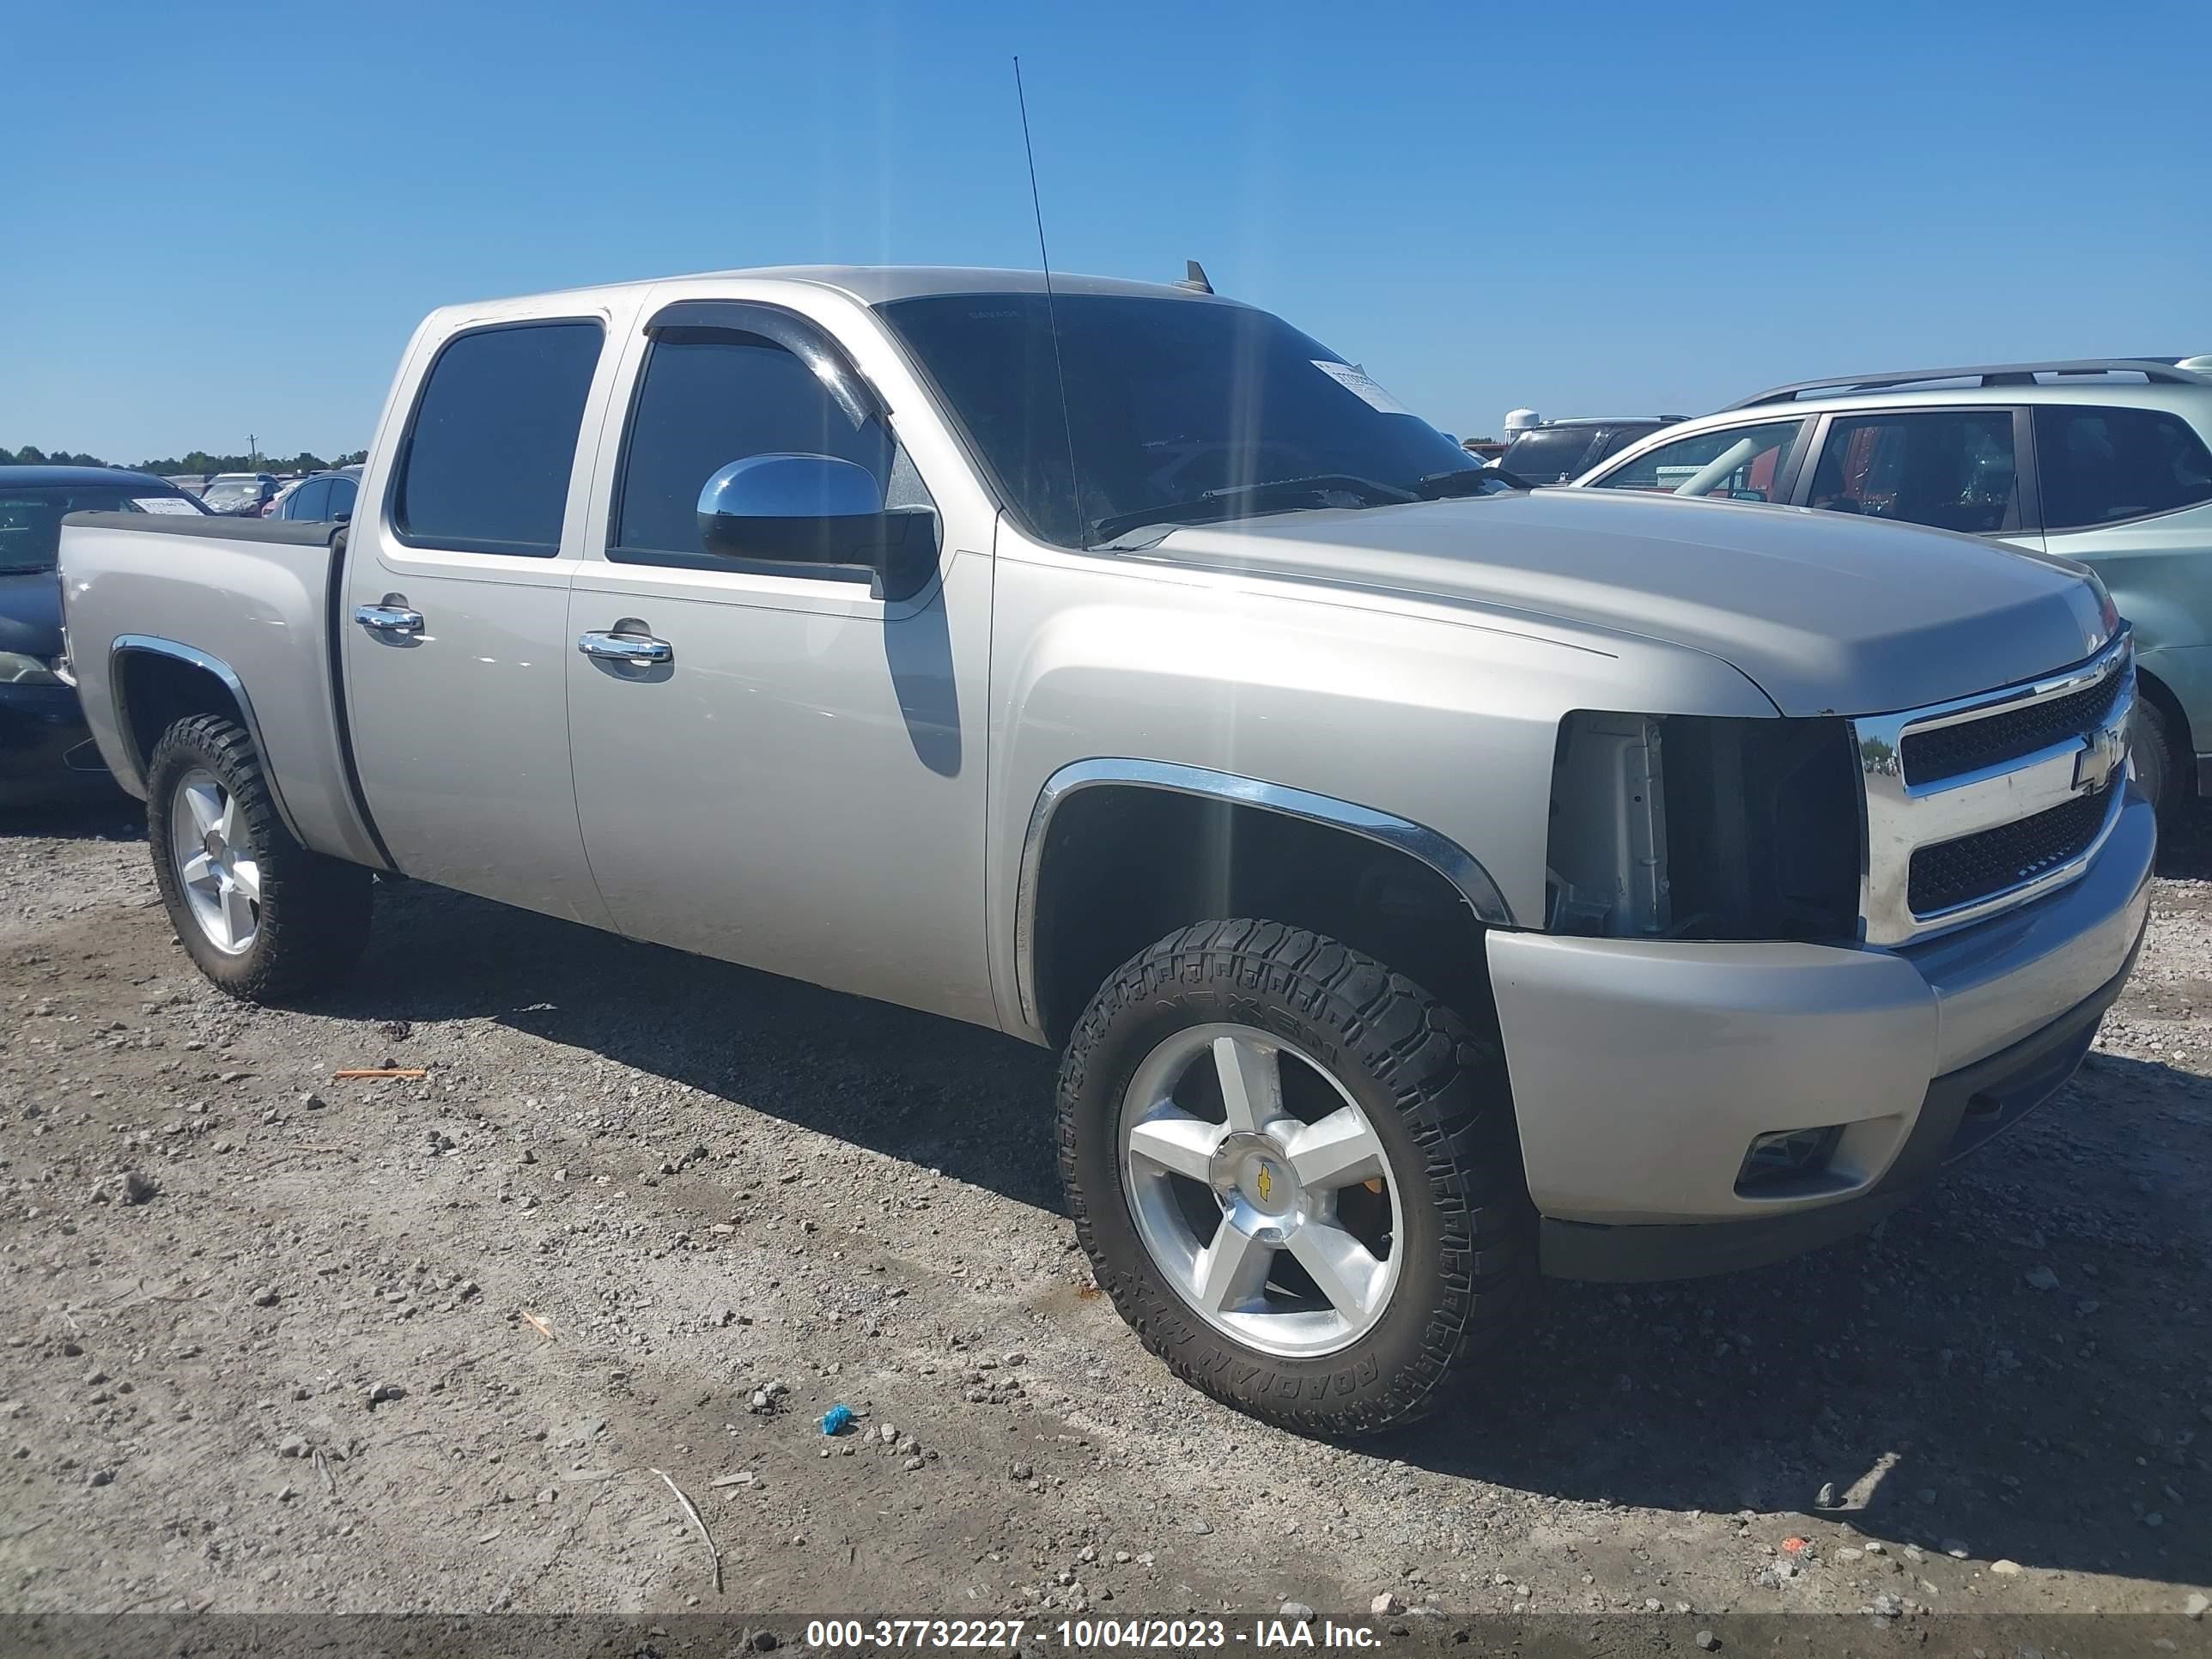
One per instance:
(1435,713)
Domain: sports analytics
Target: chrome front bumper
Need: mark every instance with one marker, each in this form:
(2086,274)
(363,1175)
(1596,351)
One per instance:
(1642,1070)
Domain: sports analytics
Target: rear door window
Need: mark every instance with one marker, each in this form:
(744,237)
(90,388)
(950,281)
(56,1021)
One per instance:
(2107,465)
(493,442)
(1954,469)
(1737,463)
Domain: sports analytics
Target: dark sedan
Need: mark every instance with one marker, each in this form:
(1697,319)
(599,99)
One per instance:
(46,753)
(320,498)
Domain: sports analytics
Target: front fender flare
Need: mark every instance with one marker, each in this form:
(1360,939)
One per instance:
(1449,860)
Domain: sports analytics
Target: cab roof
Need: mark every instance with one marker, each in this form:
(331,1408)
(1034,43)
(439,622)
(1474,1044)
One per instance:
(880,284)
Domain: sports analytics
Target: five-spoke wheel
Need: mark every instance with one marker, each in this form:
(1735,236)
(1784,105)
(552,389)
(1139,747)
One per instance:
(216,863)
(1260,1188)
(263,916)
(1296,1173)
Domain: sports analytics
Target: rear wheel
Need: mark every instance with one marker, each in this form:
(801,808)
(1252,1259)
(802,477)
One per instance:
(262,916)
(1296,1173)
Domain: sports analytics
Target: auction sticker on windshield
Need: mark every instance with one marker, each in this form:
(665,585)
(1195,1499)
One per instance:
(1354,380)
(162,504)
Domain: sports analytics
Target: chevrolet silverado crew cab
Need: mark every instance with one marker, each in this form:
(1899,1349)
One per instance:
(1430,883)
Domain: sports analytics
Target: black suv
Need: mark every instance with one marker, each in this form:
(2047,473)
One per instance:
(1559,451)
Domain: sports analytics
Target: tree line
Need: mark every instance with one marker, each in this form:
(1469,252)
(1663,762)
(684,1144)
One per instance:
(198,461)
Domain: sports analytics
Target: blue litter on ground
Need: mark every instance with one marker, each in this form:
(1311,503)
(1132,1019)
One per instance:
(836,1419)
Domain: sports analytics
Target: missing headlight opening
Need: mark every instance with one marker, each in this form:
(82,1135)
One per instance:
(1608,867)
(1694,828)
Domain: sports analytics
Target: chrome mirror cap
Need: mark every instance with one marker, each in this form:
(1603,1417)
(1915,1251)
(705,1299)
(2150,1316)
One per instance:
(791,487)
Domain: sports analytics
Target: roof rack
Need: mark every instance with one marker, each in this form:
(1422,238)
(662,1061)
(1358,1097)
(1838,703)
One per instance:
(1607,420)
(2156,370)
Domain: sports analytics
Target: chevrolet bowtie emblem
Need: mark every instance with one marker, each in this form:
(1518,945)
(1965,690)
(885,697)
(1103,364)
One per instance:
(2106,753)
(1266,1184)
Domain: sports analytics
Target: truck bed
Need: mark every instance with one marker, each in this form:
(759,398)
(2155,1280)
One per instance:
(246,602)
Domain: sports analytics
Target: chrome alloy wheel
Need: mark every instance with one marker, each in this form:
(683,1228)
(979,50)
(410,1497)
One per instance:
(216,866)
(1261,1190)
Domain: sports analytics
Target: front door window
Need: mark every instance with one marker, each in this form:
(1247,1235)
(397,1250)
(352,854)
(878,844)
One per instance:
(1954,469)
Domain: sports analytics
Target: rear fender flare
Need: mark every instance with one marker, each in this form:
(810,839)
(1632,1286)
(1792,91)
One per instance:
(137,746)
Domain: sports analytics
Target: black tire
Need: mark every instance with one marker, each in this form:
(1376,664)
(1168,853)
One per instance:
(313,915)
(2151,747)
(1437,1097)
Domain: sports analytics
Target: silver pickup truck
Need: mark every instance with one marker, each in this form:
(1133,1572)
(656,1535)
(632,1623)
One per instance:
(1431,883)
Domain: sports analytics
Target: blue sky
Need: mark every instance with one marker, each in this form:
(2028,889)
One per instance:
(1587,206)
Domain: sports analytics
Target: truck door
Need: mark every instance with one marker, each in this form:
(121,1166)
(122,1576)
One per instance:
(788,768)
(455,618)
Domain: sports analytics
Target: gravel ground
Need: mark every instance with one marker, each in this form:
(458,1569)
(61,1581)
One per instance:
(278,1342)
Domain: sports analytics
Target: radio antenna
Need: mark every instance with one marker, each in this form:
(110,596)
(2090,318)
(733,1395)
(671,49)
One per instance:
(1051,316)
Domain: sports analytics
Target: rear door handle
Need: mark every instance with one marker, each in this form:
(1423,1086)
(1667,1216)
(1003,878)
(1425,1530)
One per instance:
(625,647)
(389,617)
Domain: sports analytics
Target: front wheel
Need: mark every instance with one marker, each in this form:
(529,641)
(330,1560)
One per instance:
(2152,750)
(1296,1173)
(264,918)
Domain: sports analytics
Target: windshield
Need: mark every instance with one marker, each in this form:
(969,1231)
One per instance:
(247,490)
(1167,400)
(1551,455)
(30,519)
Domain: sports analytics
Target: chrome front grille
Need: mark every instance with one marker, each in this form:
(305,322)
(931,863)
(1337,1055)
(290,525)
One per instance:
(1949,751)
(1971,868)
(1977,805)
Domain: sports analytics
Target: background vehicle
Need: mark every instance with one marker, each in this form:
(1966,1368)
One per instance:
(240,494)
(1555,452)
(1221,724)
(46,752)
(319,498)
(2107,462)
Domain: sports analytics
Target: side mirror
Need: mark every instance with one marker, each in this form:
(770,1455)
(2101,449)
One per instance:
(820,515)
(736,502)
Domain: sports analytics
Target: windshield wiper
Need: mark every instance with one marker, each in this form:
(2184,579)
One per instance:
(1217,504)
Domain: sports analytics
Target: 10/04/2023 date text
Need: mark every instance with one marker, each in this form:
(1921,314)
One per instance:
(1087,1635)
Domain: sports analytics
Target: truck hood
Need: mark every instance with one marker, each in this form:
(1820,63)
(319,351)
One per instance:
(1826,613)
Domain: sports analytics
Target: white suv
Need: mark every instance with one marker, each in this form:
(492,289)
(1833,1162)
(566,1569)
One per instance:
(2107,462)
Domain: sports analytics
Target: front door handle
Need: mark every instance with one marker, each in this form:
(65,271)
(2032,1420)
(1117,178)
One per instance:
(625,647)
(393,616)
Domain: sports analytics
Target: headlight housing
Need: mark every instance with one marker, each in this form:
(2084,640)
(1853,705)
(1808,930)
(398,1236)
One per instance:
(17,668)
(1691,827)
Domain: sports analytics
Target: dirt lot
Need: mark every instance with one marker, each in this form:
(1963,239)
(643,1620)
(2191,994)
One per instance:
(395,1346)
